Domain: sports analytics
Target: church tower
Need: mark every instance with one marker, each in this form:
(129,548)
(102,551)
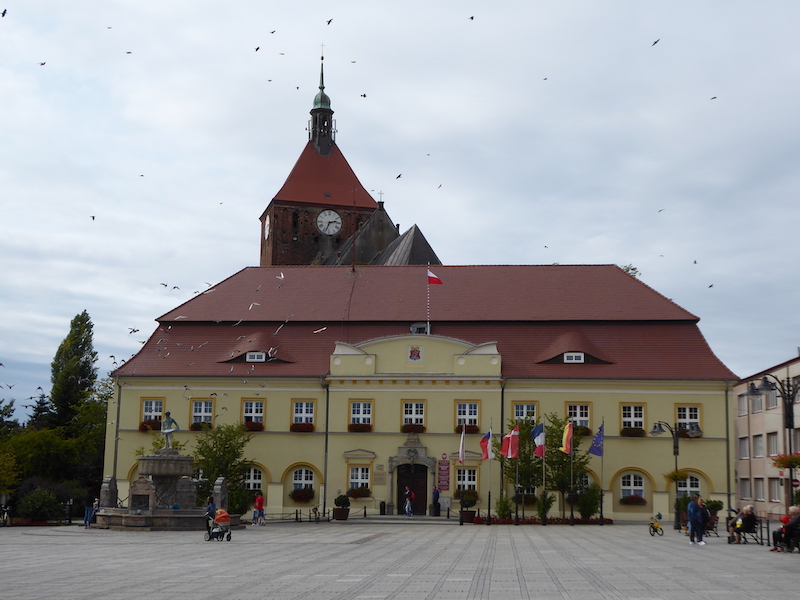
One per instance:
(321,204)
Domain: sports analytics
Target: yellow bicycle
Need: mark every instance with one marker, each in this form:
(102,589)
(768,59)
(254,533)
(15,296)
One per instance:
(655,526)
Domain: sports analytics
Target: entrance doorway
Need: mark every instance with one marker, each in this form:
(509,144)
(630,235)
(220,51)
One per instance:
(416,478)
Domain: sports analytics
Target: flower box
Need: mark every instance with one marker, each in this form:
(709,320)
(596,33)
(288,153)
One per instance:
(631,432)
(359,492)
(676,476)
(633,500)
(469,429)
(581,430)
(359,427)
(412,428)
(302,495)
(253,426)
(787,461)
(200,425)
(150,425)
(301,427)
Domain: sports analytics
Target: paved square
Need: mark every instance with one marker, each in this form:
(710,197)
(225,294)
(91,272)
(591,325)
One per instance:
(363,559)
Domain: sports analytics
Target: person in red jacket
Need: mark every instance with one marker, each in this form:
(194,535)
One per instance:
(258,507)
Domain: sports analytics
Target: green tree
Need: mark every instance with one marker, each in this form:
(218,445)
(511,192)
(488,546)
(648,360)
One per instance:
(631,270)
(42,414)
(73,373)
(9,474)
(561,475)
(530,468)
(219,452)
(42,453)
(88,433)
(8,424)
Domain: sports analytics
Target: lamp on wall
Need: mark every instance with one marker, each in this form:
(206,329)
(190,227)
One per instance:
(690,430)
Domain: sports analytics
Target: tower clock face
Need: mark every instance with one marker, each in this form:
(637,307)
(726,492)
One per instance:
(329,222)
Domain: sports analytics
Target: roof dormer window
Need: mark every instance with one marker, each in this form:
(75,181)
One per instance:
(573,357)
(256,357)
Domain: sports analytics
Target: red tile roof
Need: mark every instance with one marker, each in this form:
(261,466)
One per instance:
(324,180)
(299,313)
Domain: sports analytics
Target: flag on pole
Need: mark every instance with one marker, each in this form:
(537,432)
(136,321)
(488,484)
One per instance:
(597,443)
(510,445)
(566,440)
(433,279)
(486,446)
(461,449)
(537,433)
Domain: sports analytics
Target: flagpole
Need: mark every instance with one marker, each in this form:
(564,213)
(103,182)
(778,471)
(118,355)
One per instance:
(571,483)
(489,507)
(428,279)
(602,464)
(544,487)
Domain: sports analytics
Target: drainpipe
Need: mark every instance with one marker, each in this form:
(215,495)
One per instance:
(728,438)
(116,441)
(325,385)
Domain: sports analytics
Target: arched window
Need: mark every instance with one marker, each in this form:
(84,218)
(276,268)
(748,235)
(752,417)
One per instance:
(302,478)
(689,487)
(632,485)
(253,479)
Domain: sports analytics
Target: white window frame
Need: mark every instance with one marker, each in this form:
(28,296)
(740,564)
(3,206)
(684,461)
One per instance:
(256,357)
(466,413)
(253,411)
(743,405)
(253,478)
(632,484)
(466,479)
(359,477)
(744,488)
(361,411)
(758,446)
(152,412)
(744,448)
(573,358)
(202,411)
(757,404)
(579,414)
(772,443)
(634,417)
(758,488)
(688,415)
(689,487)
(301,478)
(303,411)
(414,413)
(775,489)
(524,411)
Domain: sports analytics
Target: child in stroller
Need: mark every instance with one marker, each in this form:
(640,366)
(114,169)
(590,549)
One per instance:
(220,526)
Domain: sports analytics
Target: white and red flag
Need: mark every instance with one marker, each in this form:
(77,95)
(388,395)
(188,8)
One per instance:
(510,445)
(433,279)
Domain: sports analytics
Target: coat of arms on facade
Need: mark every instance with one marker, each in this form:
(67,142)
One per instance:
(414,353)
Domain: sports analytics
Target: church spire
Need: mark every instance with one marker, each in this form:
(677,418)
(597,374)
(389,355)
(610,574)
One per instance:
(322,128)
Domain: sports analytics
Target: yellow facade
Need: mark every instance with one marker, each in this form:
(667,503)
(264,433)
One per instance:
(439,383)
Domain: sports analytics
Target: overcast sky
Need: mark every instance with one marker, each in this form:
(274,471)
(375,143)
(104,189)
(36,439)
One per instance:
(140,141)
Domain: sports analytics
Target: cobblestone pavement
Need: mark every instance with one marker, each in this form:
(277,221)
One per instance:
(363,559)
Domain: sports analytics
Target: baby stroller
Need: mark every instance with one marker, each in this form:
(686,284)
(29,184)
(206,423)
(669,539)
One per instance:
(220,527)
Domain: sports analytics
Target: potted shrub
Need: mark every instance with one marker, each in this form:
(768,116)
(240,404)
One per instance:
(199,426)
(683,509)
(467,499)
(412,428)
(301,427)
(302,495)
(342,508)
(359,492)
(359,427)
(714,506)
(469,429)
(253,426)
(631,432)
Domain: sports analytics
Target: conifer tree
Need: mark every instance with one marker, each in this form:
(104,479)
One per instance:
(73,371)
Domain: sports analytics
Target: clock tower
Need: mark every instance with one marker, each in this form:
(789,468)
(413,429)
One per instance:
(321,204)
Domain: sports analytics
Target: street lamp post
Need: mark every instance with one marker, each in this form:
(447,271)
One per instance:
(692,430)
(787,390)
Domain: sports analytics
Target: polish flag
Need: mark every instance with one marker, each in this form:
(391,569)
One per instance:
(433,279)
(510,445)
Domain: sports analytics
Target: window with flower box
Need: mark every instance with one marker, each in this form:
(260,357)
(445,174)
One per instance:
(633,416)
(524,410)
(302,478)
(152,409)
(466,413)
(632,485)
(578,414)
(359,477)
(688,415)
(253,411)
(202,411)
(303,411)
(361,412)
(413,413)
(466,479)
